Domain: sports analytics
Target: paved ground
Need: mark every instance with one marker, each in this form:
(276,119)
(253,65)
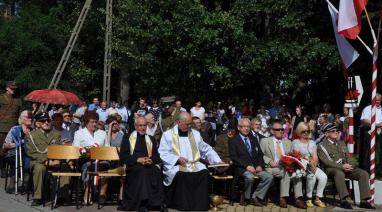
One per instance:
(18,203)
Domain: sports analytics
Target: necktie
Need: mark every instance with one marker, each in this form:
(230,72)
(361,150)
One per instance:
(247,144)
(278,150)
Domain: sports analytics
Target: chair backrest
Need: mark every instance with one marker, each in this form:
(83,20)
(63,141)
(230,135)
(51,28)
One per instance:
(62,152)
(104,153)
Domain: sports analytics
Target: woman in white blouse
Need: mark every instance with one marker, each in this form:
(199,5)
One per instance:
(308,149)
(198,111)
(89,137)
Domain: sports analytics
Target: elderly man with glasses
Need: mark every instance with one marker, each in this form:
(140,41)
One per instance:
(335,158)
(274,148)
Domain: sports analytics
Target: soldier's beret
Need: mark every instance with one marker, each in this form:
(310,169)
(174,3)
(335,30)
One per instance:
(42,116)
(328,127)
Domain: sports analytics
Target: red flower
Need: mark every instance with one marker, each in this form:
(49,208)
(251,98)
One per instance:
(352,94)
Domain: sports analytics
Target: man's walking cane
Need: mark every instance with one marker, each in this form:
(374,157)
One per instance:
(18,163)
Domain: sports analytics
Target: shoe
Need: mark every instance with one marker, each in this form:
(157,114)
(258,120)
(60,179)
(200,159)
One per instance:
(256,202)
(163,208)
(345,204)
(319,203)
(245,202)
(283,202)
(309,203)
(10,190)
(102,199)
(36,202)
(299,203)
(366,205)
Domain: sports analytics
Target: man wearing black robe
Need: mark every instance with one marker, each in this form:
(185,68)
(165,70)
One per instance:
(144,183)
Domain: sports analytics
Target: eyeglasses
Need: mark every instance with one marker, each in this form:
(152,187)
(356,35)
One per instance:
(66,116)
(305,131)
(278,129)
(333,131)
(244,126)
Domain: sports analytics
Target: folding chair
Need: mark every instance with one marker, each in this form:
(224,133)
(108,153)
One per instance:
(105,154)
(63,152)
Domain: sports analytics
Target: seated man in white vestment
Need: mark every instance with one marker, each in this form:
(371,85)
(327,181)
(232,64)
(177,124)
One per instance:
(185,177)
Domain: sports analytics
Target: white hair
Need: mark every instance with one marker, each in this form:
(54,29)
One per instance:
(22,115)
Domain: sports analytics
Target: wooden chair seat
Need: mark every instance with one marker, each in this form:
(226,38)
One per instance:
(106,174)
(66,174)
(229,177)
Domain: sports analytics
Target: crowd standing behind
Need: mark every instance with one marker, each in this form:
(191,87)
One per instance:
(165,149)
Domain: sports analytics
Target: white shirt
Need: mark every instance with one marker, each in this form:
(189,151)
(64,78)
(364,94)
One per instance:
(103,114)
(275,148)
(79,112)
(366,114)
(169,158)
(124,113)
(83,138)
(198,113)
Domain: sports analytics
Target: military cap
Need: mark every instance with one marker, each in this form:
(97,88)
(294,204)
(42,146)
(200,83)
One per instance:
(42,116)
(328,127)
(11,84)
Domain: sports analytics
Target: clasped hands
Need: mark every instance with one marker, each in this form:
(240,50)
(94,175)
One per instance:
(347,167)
(145,161)
(254,170)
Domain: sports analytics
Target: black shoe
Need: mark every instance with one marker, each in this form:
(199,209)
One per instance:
(102,199)
(366,205)
(143,209)
(256,202)
(36,202)
(163,208)
(10,190)
(3,174)
(345,204)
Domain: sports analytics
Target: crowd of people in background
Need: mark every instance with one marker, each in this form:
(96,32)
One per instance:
(251,137)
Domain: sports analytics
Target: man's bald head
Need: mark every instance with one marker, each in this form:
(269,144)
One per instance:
(140,125)
(184,121)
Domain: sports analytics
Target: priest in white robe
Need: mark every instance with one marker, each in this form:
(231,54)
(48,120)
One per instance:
(185,177)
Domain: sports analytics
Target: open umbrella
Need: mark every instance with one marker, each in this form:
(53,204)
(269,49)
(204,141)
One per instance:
(53,96)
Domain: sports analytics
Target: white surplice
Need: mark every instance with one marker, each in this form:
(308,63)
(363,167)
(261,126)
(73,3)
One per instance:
(169,157)
(83,138)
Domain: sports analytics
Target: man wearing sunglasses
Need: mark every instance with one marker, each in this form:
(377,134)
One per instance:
(335,158)
(274,148)
(37,143)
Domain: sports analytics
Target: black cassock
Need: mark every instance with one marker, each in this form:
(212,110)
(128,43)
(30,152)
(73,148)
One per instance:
(144,184)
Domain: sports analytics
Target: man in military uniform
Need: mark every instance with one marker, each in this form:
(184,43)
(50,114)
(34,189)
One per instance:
(222,145)
(338,164)
(10,109)
(37,147)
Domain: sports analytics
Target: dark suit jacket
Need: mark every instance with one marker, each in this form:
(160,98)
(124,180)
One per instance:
(255,137)
(241,157)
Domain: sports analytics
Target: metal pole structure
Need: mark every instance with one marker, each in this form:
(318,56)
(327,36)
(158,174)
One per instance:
(68,49)
(107,56)
(351,132)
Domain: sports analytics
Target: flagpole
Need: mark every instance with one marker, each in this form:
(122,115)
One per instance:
(373,111)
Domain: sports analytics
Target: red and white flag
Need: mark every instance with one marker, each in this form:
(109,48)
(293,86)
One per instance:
(347,52)
(349,17)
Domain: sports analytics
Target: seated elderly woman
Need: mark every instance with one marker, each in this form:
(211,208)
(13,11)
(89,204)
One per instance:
(16,137)
(88,137)
(308,149)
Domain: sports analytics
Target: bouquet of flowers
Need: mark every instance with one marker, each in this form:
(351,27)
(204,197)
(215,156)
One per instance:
(295,164)
(85,151)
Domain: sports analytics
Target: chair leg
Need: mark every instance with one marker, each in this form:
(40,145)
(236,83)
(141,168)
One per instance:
(6,176)
(99,192)
(77,185)
(53,192)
